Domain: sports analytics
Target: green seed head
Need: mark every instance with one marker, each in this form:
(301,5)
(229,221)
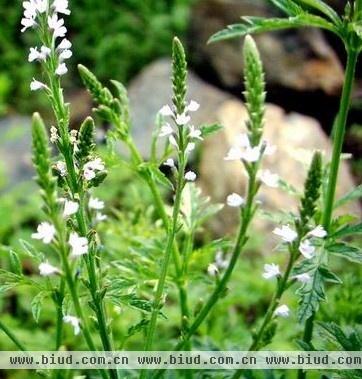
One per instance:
(179,76)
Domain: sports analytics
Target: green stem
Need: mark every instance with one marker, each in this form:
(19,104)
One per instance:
(59,328)
(240,242)
(339,133)
(11,335)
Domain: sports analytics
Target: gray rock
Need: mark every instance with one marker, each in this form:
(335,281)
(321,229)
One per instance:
(151,89)
(15,150)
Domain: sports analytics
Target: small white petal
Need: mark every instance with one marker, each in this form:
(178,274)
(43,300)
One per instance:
(65,54)
(193,106)
(307,249)
(234,200)
(46,269)
(61,69)
(170,163)
(251,154)
(79,245)
(271,271)
(166,111)
(286,233)
(74,321)
(190,147)
(212,270)
(303,278)
(64,45)
(35,85)
(95,203)
(165,130)
(190,176)
(282,311)
(318,232)
(70,208)
(269,179)
(182,119)
(45,232)
(234,154)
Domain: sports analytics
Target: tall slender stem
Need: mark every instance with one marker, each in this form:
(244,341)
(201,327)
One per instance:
(12,336)
(339,133)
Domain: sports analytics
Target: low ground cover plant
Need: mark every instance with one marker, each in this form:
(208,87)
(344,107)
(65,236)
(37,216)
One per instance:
(90,268)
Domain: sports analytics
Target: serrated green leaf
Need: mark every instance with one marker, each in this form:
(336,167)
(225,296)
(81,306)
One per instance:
(322,7)
(37,303)
(289,7)
(253,25)
(348,230)
(15,263)
(207,130)
(354,194)
(329,276)
(343,250)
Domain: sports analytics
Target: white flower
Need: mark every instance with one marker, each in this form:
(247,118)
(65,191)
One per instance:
(27,23)
(95,203)
(74,321)
(35,85)
(318,232)
(65,54)
(182,119)
(45,51)
(53,134)
(271,271)
(165,130)
(220,261)
(61,69)
(34,54)
(269,179)
(234,154)
(70,208)
(64,45)
(78,244)
(307,249)
(45,232)
(170,163)
(91,167)
(212,270)
(29,9)
(251,154)
(61,6)
(193,106)
(195,133)
(57,25)
(234,200)
(190,176)
(190,147)
(166,111)
(96,165)
(61,167)
(303,278)
(282,311)
(46,269)
(41,5)
(100,217)
(286,233)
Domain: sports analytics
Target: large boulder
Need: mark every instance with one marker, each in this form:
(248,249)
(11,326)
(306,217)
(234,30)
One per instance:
(296,59)
(296,138)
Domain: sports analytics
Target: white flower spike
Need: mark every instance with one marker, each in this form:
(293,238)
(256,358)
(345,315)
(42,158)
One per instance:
(45,232)
(234,200)
(271,271)
(74,321)
(286,233)
(282,311)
